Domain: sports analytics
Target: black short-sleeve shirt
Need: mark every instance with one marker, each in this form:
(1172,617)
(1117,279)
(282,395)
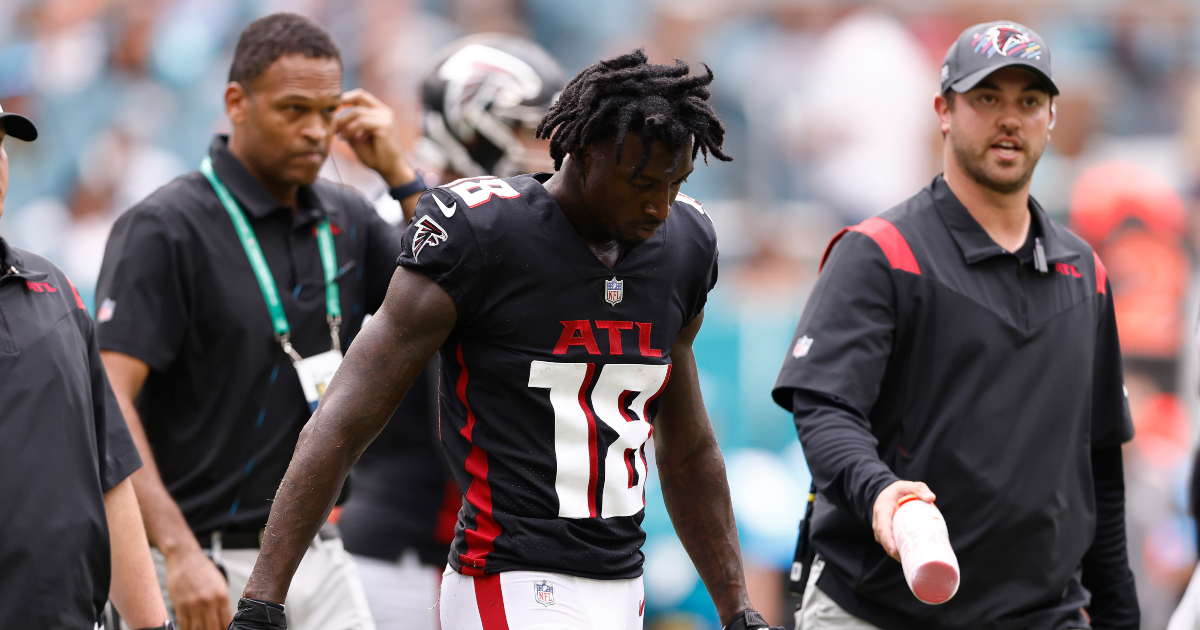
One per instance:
(222,405)
(63,444)
(978,375)
(550,379)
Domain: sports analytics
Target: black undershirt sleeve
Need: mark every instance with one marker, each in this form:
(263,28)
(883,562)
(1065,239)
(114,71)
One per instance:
(1106,564)
(841,452)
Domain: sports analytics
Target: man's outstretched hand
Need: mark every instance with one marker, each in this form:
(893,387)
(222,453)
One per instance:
(748,619)
(257,614)
(885,508)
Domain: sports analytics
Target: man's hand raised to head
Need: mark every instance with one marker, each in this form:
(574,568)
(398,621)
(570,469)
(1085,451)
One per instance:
(885,508)
(416,317)
(369,127)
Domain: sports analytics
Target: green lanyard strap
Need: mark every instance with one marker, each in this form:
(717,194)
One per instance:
(266,282)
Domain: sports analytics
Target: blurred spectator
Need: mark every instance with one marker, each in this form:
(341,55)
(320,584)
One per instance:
(1137,224)
(115,171)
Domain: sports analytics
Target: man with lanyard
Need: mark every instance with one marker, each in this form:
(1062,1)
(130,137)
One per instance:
(225,299)
(962,343)
(73,537)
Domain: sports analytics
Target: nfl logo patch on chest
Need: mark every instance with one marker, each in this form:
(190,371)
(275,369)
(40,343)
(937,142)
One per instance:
(543,593)
(614,291)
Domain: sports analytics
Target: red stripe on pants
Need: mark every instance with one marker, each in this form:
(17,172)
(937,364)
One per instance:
(490,600)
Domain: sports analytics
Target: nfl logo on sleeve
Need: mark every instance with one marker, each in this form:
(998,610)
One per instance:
(614,291)
(802,346)
(105,312)
(543,593)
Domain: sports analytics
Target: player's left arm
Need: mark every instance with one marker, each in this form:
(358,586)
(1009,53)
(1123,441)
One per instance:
(694,486)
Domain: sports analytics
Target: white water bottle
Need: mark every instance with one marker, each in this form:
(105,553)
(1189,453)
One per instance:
(930,566)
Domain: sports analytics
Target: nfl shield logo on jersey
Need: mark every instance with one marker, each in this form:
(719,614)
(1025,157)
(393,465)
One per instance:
(614,291)
(543,593)
(802,346)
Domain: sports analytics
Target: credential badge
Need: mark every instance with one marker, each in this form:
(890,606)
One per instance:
(543,593)
(614,291)
(802,346)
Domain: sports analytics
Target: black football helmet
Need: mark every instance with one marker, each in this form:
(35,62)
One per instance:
(479,94)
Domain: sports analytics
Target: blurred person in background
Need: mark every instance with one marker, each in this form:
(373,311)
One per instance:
(115,171)
(74,536)
(966,341)
(483,99)
(221,296)
(1136,222)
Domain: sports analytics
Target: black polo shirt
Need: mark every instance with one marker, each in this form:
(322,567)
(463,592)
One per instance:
(222,405)
(928,352)
(63,444)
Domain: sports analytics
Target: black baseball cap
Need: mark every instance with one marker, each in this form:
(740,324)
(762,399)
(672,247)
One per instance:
(985,48)
(17,126)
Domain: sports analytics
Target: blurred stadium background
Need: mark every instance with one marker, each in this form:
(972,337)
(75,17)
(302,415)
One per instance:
(828,105)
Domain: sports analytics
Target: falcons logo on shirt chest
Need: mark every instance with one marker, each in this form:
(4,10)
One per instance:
(429,233)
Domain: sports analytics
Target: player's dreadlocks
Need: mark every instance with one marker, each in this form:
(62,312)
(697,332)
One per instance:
(656,101)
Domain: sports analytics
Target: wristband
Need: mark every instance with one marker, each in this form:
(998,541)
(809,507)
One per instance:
(747,619)
(400,193)
(257,613)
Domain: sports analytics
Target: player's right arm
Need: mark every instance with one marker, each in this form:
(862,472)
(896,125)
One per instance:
(416,318)
(197,589)
(438,279)
(831,379)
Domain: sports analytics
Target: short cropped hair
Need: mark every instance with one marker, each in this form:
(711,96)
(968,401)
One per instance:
(274,36)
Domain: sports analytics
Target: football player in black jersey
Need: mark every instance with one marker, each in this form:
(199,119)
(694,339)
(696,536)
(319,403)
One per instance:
(564,307)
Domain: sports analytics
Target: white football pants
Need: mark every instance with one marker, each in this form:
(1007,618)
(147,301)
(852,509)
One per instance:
(530,600)
(402,593)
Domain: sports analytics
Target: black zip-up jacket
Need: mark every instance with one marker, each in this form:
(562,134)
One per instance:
(927,352)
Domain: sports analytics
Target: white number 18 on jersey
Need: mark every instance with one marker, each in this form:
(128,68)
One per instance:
(575,441)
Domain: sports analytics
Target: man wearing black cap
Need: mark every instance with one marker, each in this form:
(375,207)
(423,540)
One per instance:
(71,523)
(963,343)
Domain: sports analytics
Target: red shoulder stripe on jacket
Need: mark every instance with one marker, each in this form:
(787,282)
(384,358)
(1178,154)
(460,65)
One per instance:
(889,239)
(1101,275)
(79,300)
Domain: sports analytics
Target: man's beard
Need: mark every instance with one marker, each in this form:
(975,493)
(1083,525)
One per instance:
(974,167)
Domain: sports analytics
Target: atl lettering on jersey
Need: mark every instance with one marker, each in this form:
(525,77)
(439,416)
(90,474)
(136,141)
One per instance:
(551,378)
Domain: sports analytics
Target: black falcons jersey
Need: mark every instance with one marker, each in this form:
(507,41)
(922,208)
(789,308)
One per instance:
(550,378)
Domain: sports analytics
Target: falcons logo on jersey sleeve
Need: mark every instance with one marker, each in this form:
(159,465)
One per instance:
(428,233)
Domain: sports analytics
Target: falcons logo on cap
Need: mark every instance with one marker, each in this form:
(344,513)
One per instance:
(428,233)
(1010,40)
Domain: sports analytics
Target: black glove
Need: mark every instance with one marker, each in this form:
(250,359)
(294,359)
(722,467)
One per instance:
(749,619)
(167,625)
(256,614)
